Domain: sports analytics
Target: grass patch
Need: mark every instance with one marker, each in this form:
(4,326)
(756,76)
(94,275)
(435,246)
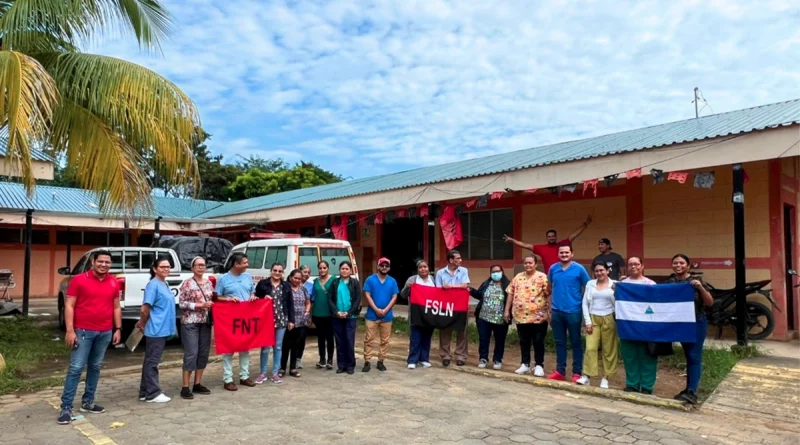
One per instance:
(717,363)
(24,345)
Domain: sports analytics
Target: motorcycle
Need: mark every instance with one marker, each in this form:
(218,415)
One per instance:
(760,319)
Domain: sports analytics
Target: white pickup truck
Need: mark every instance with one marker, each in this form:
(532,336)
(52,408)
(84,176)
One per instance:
(131,267)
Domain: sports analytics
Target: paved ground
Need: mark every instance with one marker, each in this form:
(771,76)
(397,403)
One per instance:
(399,406)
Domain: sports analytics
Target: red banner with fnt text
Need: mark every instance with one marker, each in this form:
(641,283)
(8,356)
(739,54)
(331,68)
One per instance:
(243,326)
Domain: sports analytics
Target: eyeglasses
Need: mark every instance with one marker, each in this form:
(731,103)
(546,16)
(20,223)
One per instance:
(276,271)
(383,265)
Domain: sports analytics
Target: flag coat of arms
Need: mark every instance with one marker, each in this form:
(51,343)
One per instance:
(661,313)
(434,307)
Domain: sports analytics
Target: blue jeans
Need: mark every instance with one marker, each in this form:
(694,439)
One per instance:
(485,331)
(92,347)
(276,353)
(564,323)
(419,347)
(694,355)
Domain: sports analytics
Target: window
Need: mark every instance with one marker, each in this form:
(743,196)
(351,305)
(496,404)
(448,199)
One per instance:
(116,260)
(276,255)
(149,257)
(483,235)
(132,261)
(95,238)
(71,237)
(309,256)
(145,240)
(11,236)
(38,237)
(334,256)
(352,232)
(255,257)
(80,266)
(117,239)
(308,232)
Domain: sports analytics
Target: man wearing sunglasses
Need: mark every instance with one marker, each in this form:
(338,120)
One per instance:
(381,291)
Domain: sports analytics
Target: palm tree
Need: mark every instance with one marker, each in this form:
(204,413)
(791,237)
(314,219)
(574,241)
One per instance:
(100,113)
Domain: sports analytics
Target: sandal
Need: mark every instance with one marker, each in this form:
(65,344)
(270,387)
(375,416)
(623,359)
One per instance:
(294,373)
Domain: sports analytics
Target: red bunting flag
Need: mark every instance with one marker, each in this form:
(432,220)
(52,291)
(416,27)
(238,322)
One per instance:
(379,218)
(590,183)
(635,173)
(362,220)
(530,191)
(471,203)
(497,195)
(451,227)
(340,230)
(678,176)
(243,326)
(401,213)
(745,176)
(423,211)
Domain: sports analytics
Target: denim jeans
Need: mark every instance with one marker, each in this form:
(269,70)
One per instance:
(344,331)
(694,355)
(92,347)
(227,367)
(276,353)
(485,331)
(419,347)
(568,323)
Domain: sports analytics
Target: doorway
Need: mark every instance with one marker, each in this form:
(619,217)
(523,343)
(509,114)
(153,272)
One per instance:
(789,235)
(401,242)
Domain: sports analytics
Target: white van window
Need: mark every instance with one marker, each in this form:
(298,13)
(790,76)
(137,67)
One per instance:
(334,256)
(116,260)
(132,261)
(276,255)
(255,257)
(309,256)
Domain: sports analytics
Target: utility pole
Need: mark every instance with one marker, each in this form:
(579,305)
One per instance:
(739,254)
(696,111)
(26,280)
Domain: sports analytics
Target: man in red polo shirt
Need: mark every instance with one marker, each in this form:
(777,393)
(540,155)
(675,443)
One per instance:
(548,253)
(94,318)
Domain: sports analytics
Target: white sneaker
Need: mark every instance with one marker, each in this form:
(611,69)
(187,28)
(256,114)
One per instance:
(483,363)
(604,383)
(426,364)
(161,398)
(523,368)
(412,366)
(498,365)
(584,380)
(299,364)
(538,371)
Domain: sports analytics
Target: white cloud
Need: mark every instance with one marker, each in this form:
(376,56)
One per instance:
(364,87)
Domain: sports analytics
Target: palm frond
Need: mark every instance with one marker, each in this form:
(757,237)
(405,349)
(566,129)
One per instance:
(82,21)
(107,163)
(28,98)
(146,109)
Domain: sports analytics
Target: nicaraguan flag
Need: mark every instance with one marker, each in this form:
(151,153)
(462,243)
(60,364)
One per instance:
(660,313)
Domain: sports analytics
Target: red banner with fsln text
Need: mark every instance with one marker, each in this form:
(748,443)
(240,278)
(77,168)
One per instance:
(433,307)
(243,326)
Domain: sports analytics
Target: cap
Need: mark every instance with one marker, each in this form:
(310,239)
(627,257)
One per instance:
(605,241)
(384,260)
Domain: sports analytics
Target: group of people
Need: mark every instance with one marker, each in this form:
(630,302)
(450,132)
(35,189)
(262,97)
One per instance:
(564,298)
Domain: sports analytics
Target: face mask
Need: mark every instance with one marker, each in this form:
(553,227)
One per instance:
(496,276)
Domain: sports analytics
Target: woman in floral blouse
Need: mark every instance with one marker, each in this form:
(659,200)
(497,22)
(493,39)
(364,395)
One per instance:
(529,304)
(195,301)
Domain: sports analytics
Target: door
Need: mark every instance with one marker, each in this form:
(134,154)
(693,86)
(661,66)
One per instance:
(789,235)
(401,242)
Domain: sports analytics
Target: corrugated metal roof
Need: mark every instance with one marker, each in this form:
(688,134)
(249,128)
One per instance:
(36,154)
(71,200)
(723,124)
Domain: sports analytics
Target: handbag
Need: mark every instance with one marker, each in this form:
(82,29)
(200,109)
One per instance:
(659,349)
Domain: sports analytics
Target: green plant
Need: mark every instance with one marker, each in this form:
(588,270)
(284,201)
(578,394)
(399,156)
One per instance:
(717,364)
(24,345)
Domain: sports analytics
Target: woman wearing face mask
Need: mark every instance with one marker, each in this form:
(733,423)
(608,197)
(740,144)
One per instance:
(529,305)
(419,348)
(640,366)
(322,317)
(601,326)
(694,350)
(489,315)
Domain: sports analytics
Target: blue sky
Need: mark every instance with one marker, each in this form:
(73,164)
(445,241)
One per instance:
(365,88)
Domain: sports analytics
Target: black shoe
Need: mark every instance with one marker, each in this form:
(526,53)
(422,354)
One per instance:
(646,391)
(186,394)
(381,367)
(92,409)
(200,389)
(445,363)
(366,367)
(690,397)
(631,389)
(340,370)
(351,371)
(679,396)
(461,363)
(329,365)
(65,418)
